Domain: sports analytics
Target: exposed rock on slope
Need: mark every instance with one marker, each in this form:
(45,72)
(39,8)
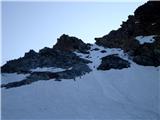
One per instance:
(113,62)
(47,57)
(61,56)
(77,71)
(145,22)
(67,43)
(148,54)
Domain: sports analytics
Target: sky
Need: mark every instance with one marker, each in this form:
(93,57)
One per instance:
(35,25)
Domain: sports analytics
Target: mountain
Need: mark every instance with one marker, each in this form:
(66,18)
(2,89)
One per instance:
(115,78)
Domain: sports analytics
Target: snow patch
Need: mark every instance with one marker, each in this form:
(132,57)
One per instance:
(47,69)
(145,39)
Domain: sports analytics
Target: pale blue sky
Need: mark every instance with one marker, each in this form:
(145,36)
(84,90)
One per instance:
(34,25)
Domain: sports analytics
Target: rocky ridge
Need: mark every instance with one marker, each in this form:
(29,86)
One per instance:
(57,57)
(46,57)
(144,22)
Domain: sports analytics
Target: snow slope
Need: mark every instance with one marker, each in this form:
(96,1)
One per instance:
(127,94)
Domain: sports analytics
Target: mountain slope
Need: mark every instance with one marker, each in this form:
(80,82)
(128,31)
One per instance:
(108,94)
(116,78)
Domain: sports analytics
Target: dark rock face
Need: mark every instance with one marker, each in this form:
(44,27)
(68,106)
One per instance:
(113,61)
(148,16)
(46,57)
(145,21)
(67,43)
(148,54)
(118,38)
(50,57)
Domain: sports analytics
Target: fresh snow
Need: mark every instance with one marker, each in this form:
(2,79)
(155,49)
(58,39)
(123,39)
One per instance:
(145,39)
(127,94)
(47,69)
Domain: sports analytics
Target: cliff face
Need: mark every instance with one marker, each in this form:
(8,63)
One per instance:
(144,22)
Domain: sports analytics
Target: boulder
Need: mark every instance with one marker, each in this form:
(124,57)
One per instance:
(113,62)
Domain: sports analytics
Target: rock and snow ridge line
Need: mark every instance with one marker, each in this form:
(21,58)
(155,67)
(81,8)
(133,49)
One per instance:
(94,54)
(47,73)
(112,94)
(65,58)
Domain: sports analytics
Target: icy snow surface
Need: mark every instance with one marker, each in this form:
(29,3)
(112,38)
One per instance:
(145,39)
(127,94)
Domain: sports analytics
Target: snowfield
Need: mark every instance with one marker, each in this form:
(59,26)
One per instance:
(127,94)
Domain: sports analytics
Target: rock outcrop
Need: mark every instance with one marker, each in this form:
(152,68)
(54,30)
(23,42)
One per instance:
(61,56)
(77,70)
(48,57)
(148,54)
(67,43)
(113,62)
(145,21)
